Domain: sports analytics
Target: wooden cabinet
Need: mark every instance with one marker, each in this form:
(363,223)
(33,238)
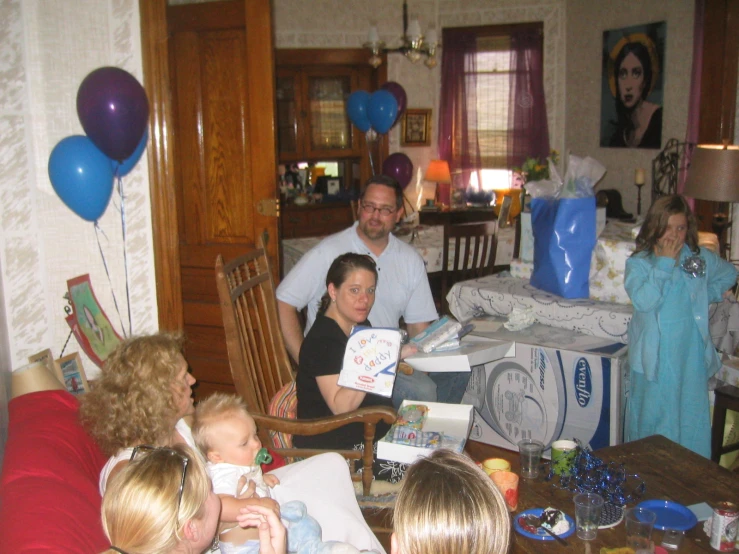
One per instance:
(315,220)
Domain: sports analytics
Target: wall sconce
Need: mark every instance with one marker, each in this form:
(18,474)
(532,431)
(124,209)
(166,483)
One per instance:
(438,171)
(714,175)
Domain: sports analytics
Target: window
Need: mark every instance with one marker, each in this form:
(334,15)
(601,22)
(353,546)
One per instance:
(492,109)
(493,64)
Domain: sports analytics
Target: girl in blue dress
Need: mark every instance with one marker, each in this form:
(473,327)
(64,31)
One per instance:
(671,281)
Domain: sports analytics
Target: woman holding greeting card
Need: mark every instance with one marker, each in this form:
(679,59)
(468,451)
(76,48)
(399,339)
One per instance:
(350,294)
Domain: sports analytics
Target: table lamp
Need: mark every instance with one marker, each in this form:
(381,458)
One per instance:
(33,377)
(714,175)
(438,171)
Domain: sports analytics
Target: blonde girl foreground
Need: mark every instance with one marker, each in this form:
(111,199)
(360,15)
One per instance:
(162,502)
(448,505)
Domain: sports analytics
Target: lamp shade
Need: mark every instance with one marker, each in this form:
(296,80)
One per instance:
(438,171)
(33,377)
(714,173)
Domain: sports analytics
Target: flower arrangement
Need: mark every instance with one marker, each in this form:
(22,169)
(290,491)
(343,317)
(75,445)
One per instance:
(536,169)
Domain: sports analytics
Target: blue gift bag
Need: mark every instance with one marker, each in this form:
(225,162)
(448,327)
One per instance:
(564,238)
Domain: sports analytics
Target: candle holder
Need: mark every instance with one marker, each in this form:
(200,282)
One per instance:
(638,198)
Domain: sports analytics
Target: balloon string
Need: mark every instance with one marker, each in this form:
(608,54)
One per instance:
(125,251)
(105,265)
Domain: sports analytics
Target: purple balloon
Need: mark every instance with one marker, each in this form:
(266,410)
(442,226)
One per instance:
(113,109)
(400,97)
(399,167)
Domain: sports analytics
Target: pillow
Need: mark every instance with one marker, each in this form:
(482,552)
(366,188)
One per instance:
(284,404)
(49,499)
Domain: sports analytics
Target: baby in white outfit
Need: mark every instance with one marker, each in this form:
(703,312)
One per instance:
(227,436)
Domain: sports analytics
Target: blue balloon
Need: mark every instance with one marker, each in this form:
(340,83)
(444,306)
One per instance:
(123,169)
(356,109)
(382,110)
(82,176)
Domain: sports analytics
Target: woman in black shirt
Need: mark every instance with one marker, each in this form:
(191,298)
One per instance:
(350,294)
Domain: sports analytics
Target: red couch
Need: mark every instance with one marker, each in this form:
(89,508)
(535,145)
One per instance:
(49,499)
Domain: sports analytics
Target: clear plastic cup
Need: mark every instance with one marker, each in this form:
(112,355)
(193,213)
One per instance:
(588,507)
(530,451)
(639,526)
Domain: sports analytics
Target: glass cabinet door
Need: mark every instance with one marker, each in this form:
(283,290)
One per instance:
(287,112)
(329,126)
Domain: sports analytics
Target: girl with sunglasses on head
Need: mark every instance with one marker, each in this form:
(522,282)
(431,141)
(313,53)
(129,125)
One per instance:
(162,502)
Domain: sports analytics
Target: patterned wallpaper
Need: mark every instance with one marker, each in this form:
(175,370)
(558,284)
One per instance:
(48,48)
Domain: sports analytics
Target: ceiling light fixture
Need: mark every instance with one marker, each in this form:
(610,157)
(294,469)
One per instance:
(414,45)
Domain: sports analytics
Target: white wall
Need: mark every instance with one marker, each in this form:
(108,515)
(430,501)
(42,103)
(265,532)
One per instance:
(48,47)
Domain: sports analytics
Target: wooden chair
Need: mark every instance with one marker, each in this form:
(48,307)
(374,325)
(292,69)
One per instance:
(474,246)
(260,366)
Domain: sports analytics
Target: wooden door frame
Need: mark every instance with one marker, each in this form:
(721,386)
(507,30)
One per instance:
(165,229)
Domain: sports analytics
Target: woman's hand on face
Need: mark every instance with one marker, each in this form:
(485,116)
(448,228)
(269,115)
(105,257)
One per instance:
(272,534)
(408,350)
(668,247)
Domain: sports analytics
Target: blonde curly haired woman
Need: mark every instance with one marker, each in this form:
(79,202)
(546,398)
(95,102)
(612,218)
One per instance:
(144,396)
(162,502)
(447,505)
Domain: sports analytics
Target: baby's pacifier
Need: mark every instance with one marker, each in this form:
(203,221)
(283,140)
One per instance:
(263,457)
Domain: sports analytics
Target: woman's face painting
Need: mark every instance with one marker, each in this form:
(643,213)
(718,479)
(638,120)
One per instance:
(631,81)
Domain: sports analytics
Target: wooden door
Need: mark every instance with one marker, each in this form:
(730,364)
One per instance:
(222,85)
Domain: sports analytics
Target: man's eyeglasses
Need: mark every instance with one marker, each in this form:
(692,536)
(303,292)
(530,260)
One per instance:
(148,449)
(384,210)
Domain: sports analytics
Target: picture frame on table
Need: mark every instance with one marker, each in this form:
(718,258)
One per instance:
(333,186)
(72,374)
(416,127)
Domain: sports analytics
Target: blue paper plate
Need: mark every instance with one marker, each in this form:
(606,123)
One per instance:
(670,515)
(540,534)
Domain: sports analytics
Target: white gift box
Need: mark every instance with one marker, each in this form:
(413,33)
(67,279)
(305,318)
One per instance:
(453,420)
(472,351)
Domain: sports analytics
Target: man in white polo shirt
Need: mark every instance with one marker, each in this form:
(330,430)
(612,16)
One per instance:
(402,287)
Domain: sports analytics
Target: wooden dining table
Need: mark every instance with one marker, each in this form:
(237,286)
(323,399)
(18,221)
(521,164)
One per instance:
(669,471)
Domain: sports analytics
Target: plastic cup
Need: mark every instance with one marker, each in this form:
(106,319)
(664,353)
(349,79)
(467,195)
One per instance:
(491,465)
(639,526)
(507,483)
(563,456)
(530,451)
(588,507)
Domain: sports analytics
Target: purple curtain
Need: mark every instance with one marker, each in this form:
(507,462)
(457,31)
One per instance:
(527,111)
(694,102)
(457,141)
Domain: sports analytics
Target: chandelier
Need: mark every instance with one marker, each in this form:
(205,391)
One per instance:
(414,45)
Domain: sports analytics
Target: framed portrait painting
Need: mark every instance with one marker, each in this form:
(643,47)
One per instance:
(416,127)
(632,86)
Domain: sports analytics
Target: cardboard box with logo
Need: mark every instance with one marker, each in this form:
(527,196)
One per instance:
(559,385)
